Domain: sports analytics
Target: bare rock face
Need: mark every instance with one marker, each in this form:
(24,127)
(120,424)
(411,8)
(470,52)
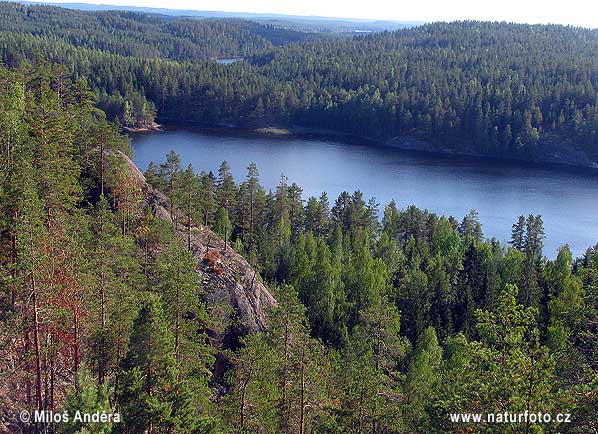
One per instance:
(229,280)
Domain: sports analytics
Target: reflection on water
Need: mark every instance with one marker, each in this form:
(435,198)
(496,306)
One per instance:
(500,191)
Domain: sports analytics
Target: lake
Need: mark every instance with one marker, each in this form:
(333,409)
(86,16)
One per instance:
(228,60)
(567,199)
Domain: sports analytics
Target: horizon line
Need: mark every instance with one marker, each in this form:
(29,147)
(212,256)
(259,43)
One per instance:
(276,14)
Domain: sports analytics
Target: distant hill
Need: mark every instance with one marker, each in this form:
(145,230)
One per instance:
(312,24)
(131,33)
(484,88)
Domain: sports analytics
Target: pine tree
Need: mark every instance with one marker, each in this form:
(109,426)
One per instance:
(250,208)
(281,217)
(414,301)
(30,232)
(530,293)
(519,370)
(188,199)
(13,129)
(390,220)
(424,381)
(316,216)
(324,215)
(148,383)
(222,225)
(371,395)
(152,176)
(226,190)
(87,398)
(328,311)
(357,214)
(178,285)
(170,173)
(295,210)
(207,198)
(252,404)
(565,313)
(115,262)
(279,375)
(365,282)
(471,228)
(518,234)
(126,191)
(373,224)
(312,216)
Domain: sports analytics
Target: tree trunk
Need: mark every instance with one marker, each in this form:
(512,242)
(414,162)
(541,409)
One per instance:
(171,197)
(284,380)
(13,272)
(242,404)
(189,221)
(102,164)
(101,367)
(226,231)
(29,397)
(302,416)
(251,219)
(76,330)
(148,390)
(46,424)
(360,417)
(177,323)
(36,344)
(52,379)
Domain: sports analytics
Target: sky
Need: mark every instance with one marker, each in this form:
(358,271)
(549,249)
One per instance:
(575,12)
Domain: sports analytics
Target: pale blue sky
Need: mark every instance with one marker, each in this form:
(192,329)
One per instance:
(575,12)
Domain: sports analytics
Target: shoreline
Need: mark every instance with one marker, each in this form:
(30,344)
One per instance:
(153,127)
(414,144)
(402,143)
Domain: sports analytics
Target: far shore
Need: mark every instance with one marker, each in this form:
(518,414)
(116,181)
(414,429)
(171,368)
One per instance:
(555,155)
(153,127)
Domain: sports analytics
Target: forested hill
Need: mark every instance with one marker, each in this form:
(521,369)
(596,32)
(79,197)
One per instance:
(144,35)
(116,295)
(496,89)
(310,24)
(491,88)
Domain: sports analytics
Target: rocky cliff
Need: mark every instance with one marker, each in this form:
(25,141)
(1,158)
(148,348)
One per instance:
(229,280)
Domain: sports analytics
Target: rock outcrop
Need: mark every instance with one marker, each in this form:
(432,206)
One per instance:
(229,280)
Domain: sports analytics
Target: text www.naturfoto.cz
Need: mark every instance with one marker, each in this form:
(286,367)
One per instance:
(507,417)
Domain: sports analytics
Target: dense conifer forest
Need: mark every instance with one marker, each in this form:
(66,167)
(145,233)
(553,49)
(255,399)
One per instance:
(377,318)
(143,35)
(387,319)
(498,89)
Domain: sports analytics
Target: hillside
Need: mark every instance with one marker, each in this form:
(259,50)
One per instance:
(117,296)
(87,248)
(495,89)
(313,24)
(228,279)
(144,35)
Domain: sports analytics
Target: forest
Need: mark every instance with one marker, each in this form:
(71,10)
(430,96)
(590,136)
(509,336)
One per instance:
(495,89)
(387,319)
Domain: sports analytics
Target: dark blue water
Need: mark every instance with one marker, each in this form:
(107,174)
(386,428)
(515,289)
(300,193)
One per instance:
(500,191)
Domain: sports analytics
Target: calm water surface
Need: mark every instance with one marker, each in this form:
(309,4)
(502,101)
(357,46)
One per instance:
(567,199)
(228,60)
